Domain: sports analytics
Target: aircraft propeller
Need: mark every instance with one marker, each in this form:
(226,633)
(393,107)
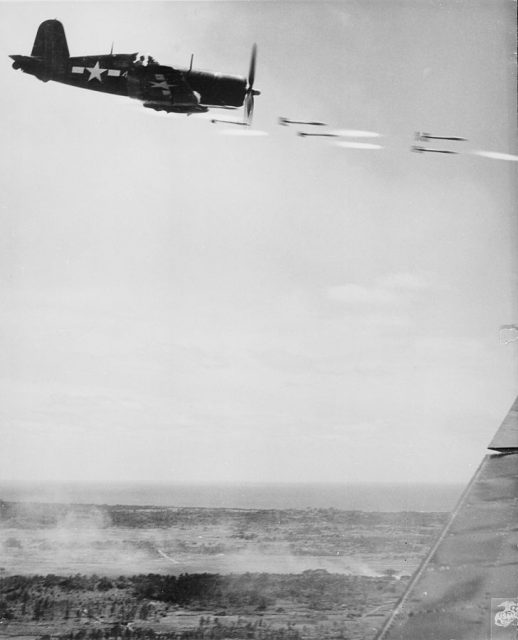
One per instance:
(250,92)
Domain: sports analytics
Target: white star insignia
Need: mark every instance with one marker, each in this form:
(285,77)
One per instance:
(95,72)
(160,85)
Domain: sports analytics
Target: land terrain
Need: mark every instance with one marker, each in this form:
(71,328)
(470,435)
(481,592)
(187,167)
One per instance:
(97,571)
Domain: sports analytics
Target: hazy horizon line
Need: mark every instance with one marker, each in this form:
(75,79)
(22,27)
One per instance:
(230,483)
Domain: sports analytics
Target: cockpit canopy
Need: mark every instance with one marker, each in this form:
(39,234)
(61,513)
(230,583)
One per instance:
(144,60)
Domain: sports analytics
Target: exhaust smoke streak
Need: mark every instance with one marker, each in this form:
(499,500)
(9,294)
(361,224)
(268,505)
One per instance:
(496,155)
(359,145)
(353,133)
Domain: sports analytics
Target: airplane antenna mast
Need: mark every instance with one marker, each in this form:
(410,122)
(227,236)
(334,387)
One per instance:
(190,65)
(111,50)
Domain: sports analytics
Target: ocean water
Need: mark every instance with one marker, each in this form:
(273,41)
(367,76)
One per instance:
(363,497)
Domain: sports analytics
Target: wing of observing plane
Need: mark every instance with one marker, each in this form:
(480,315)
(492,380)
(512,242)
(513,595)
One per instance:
(467,586)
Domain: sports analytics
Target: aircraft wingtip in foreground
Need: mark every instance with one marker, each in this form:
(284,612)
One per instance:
(158,87)
(467,586)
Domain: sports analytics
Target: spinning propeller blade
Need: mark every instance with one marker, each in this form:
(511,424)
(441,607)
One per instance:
(250,93)
(251,71)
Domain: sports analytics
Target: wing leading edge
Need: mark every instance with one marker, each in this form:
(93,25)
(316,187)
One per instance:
(467,586)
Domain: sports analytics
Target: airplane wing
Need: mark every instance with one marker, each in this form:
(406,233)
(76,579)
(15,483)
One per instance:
(467,586)
(163,88)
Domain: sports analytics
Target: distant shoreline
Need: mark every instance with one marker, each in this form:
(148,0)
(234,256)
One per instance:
(347,497)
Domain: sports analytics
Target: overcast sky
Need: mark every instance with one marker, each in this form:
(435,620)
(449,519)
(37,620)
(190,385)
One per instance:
(179,303)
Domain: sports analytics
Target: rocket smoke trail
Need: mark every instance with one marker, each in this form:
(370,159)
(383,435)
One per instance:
(495,155)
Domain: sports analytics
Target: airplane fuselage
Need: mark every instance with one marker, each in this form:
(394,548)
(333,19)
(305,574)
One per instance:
(121,74)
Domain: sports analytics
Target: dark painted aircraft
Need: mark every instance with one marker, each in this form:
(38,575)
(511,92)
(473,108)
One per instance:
(284,122)
(158,87)
(420,149)
(421,136)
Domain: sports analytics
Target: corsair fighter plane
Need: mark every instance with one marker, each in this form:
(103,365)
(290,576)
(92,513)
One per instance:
(158,87)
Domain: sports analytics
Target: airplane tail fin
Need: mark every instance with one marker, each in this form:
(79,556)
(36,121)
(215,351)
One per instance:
(51,46)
